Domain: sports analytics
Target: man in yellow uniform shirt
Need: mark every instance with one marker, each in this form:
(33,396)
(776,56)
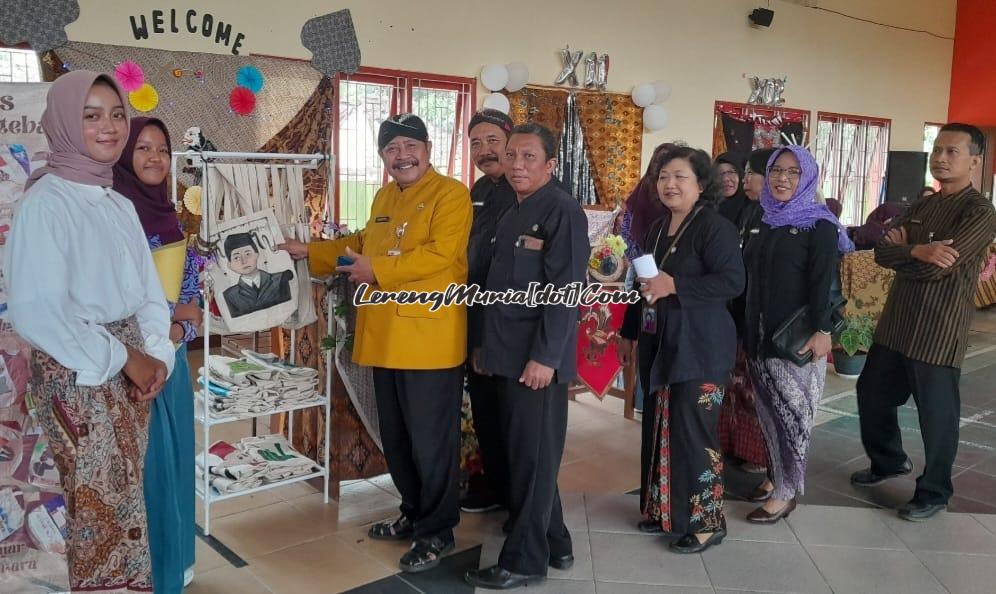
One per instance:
(415,240)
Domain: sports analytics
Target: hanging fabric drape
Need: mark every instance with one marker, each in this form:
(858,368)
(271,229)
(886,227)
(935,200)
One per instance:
(573,164)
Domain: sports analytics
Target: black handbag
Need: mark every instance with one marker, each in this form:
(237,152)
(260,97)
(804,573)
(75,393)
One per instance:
(796,331)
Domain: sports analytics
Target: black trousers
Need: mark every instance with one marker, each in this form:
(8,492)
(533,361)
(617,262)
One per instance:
(419,414)
(646,350)
(484,405)
(885,384)
(534,425)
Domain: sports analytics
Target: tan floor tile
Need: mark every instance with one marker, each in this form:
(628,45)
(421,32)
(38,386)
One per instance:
(602,473)
(322,566)
(359,504)
(261,531)
(206,559)
(254,501)
(226,581)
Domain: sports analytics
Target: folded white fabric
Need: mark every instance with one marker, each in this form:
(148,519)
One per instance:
(252,462)
(255,384)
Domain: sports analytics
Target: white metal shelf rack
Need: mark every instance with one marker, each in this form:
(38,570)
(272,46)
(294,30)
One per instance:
(206,160)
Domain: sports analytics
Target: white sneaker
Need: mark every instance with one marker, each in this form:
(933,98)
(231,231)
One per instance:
(188,576)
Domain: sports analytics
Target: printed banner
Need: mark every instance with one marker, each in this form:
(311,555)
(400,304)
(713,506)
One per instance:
(32,509)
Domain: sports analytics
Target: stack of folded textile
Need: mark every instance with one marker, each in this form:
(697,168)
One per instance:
(255,384)
(252,462)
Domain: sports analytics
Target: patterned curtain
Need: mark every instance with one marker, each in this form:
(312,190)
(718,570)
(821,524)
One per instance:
(613,134)
(310,131)
(612,127)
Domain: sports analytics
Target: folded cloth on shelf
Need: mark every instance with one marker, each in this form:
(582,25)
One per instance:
(255,384)
(252,462)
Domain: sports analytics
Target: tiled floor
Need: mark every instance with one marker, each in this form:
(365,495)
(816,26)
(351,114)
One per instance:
(292,543)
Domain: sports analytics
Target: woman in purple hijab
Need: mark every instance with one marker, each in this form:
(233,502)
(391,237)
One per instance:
(791,266)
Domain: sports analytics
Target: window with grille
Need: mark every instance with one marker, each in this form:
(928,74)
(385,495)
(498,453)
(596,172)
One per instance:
(930,132)
(852,152)
(19,65)
(367,98)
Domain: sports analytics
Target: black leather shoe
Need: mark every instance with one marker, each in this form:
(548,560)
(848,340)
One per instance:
(870,478)
(689,543)
(914,511)
(562,562)
(496,578)
(650,527)
(759,516)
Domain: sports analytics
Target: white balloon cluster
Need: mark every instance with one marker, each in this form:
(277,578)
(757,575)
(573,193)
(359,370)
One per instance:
(649,96)
(496,77)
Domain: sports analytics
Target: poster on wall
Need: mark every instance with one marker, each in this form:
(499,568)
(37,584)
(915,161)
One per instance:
(32,508)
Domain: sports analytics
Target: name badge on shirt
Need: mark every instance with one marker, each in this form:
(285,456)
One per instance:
(649,322)
(382,220)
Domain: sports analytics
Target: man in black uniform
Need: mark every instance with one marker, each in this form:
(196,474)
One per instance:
(492,196)
(530,351)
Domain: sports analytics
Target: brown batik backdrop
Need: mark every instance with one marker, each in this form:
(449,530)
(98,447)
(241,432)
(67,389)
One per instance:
(612,126)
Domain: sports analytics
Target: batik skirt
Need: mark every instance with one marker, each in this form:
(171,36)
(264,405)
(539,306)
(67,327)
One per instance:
(739,430)
(786,402)
(685,485)
(98,437)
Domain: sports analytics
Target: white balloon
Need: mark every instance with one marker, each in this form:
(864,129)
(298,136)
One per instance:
(494,77)
(497,101)
(662,91)
(654,118)
(643,95)
(518,76)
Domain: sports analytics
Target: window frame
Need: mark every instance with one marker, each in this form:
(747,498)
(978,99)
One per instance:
(403,83)
(859,120)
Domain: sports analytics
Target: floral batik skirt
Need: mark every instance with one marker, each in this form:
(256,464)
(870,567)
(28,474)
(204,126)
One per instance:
(739,430)
(98,436)
(685,491)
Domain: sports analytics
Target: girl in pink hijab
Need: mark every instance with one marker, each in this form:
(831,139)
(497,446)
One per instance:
(82,289)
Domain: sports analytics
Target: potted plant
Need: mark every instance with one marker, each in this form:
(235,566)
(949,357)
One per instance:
(853,343)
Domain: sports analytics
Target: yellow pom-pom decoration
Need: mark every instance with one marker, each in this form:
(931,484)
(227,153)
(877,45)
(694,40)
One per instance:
(192,200)
(144,99)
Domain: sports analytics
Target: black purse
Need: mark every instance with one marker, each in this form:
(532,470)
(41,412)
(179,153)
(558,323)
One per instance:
(796,331)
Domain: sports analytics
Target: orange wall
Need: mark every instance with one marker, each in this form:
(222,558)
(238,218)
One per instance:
(973,67)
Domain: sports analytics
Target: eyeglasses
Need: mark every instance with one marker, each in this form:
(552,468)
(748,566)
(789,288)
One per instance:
(728,174)
(791,172)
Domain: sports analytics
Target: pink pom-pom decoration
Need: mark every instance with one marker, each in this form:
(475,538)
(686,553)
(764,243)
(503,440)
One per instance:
(130,76)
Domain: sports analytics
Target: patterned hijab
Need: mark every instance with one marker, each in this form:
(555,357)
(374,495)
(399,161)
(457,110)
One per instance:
(68,156)
(802,211)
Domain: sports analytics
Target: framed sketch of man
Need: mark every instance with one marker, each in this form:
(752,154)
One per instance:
(254,286)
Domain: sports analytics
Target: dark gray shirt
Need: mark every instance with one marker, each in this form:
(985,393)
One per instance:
(515,334)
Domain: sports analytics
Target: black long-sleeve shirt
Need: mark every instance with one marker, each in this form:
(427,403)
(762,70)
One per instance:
(696,337)
(747,218)
(929,308)
(787,269)
(515,334)
(491,200)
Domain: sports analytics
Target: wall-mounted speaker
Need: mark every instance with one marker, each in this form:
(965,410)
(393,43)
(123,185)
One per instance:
(762,17)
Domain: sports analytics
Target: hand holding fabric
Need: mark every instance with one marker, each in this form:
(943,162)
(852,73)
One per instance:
(298,250)
(897,236)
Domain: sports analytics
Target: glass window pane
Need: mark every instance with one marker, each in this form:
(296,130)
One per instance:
(362,107)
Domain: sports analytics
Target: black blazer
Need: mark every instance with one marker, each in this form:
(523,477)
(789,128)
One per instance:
(787,269)
(696,337)
(274,289)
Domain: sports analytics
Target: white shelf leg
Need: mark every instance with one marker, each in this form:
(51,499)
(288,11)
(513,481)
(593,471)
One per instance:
(328,401)
(292,361)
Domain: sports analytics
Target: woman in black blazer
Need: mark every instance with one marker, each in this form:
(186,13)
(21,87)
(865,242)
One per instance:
(686,345)
(791,266)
